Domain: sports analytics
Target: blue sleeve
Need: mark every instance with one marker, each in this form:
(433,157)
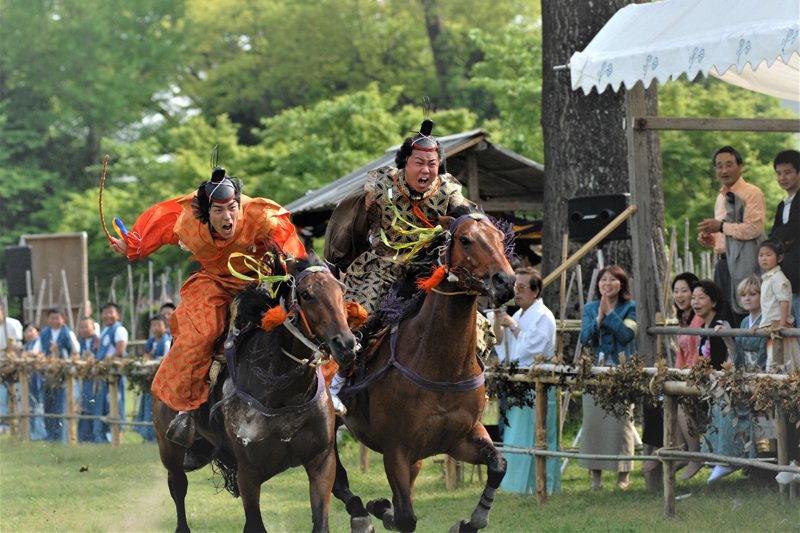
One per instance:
(621,322)
(589,323)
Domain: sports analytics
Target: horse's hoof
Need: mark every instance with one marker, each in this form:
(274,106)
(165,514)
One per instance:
(462,527)
(361,524)
(379,507)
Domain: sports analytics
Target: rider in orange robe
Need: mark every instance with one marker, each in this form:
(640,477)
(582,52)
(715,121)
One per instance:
(212,223)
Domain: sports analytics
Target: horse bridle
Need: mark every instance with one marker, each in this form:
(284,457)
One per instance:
(472,285)
(321,354)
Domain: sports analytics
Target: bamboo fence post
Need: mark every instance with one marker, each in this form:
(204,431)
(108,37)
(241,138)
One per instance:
(13,408)
(670,441)
(29,292)
(363,457)
(150,288)
(70,319)
(781,429)
(25,404)
(562,292)
(113,401)
(40,303)
(451,473)
(541,441)
(72,422)
(132,303)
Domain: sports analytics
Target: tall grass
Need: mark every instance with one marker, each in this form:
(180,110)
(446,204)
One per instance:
(48,487)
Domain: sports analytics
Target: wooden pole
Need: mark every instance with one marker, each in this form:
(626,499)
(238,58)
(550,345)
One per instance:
(541,441)
(452,473)
(25,404)
(72,422)
(68,310)
(96,296)
(562,294)
(363,457)
(13,407)
(29,291)
(586,248)
(113,400)
(39,304)
(132,303)
(150,288)
(176,297)
(670,441)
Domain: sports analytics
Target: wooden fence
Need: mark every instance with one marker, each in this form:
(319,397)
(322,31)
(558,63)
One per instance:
(543,376)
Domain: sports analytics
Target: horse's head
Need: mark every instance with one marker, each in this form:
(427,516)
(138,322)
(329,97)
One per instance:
(319,298)
(475,253)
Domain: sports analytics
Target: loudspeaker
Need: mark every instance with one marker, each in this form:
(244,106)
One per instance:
(587,215)
(18,260)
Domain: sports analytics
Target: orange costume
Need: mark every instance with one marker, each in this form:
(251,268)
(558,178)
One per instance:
(200,318)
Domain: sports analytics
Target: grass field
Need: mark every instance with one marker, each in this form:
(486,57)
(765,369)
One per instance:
(42,488)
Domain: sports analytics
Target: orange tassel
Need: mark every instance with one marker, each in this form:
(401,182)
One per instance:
(273,318)
(356,315)
(426,284)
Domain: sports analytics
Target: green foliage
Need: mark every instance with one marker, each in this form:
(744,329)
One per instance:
(511,73)
(271,56)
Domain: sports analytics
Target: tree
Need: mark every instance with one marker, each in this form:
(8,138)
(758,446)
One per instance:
(585,143)
(510,73)
(72,73)
(265,59)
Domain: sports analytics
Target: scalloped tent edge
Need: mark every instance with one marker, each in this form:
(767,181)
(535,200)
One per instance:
(665,40)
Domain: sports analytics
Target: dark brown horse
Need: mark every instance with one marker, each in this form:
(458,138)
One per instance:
(274,411)
(424,385)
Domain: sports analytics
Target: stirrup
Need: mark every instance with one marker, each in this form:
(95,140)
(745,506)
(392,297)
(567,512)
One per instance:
(182,429)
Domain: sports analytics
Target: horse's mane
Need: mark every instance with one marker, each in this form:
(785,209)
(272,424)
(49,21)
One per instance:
(254,300)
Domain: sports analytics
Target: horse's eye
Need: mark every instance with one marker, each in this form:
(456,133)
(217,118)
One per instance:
(305,295)
(464,240)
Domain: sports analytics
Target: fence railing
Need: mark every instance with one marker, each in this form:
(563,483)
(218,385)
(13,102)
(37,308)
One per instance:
(673,383)
(18,370)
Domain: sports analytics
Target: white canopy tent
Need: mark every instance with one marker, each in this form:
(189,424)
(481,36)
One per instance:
(754,44)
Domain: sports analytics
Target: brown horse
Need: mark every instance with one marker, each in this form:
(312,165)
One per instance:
(274,411)
(424,386)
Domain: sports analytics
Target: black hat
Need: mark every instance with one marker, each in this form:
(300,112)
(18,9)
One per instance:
(220,189)
(423,141)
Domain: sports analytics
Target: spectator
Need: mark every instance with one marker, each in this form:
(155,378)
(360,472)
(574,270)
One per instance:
(94,392)
(787,221)
(155,348)
(709,308)
(35,385)
(10,330)
(10,335)
(737,227)
(730,428)
(166,311)
(608,328)
(686,358)
(776,301)
(113,344)
(531,332)
(56,341)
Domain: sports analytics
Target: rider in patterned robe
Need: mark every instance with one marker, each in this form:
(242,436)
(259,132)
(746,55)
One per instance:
(417,191)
